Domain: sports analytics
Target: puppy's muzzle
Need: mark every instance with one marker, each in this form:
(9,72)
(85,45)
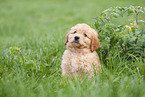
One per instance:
(76,37)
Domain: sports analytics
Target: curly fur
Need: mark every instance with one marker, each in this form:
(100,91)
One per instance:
(80,57)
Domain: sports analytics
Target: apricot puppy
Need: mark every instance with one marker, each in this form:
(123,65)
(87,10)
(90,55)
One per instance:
(80,57)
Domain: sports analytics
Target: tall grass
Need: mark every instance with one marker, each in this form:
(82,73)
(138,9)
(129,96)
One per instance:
(31,46)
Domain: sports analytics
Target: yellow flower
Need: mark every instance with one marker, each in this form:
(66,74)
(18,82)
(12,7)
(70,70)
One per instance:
(18,49)
(131,23)
(130,29)
(132,26)
(135,25)
(126,26)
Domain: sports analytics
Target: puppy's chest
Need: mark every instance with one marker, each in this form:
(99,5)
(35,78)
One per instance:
(80,60)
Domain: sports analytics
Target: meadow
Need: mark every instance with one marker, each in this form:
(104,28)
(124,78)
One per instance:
(32,35)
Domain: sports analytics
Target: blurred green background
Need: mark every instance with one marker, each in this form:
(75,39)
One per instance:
(22,20)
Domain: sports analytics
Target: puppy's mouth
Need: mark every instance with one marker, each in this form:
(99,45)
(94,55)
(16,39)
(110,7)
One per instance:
(76,43)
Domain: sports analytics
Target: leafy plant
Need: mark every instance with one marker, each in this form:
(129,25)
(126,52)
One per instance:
(128,39)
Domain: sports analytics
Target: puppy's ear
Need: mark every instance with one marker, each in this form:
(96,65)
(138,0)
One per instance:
(95,43)
(66,39)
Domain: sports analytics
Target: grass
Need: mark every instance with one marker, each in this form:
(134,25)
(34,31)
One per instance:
(31,46)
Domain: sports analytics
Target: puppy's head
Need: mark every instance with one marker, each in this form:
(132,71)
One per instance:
(82,36)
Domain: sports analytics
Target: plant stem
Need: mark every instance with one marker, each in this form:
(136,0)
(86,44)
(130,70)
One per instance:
(122,47)
(136,18)
(136,40)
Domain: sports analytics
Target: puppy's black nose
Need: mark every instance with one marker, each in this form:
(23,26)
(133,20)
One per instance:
(77,37)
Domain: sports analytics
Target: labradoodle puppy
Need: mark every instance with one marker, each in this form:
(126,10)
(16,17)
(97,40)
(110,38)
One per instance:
(80,57)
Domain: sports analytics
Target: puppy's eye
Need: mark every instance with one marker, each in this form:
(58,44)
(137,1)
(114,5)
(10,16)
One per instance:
(85,35)
(75,32)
